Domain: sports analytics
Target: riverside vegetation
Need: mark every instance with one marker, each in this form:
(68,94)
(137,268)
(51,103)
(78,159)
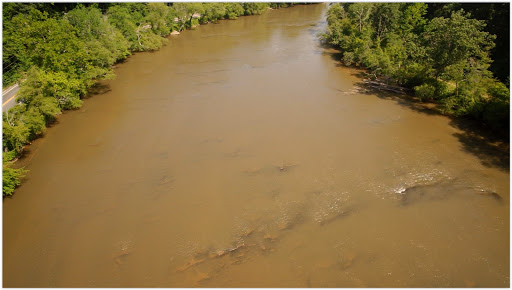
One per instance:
(61,50)
(438,50)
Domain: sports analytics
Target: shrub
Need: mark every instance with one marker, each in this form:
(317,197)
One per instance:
(425,91)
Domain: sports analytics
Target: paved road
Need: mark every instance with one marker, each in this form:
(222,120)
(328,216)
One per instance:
(9,97)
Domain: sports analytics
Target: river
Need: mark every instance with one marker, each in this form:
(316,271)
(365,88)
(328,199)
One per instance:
(242,154)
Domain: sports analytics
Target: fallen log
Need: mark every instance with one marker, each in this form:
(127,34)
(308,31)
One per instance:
(383,86)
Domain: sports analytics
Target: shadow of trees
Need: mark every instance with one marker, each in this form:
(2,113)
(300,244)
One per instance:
(98,89)
(490,146)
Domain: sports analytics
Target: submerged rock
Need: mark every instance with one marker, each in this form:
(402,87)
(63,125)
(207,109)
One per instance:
(416,193)
(125,249)
(190,264)
(286,166)
(492,194)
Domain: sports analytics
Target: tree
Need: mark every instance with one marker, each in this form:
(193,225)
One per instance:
(233,10)
(184,13)
(138,23)
(158,17)
(361,13)
(124,20)
(103,44)
(455,43)
(14,134)
(11,177)
(458,51)
(385,18)
(335,13)
(251,8)
(213,11)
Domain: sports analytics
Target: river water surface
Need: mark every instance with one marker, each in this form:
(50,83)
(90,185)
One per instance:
(242,154)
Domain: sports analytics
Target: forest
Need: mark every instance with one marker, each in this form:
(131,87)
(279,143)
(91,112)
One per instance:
(58,51)
(453,54)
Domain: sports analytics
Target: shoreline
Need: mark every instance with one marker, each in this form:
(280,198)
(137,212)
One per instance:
(22,154)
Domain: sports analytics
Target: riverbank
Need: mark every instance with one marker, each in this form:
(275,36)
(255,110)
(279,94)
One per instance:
(409,49)
(55,82)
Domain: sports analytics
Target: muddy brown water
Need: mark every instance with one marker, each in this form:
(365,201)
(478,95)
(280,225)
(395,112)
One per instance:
(242,155)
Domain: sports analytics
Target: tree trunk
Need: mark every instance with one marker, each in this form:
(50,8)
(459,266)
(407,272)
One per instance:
(380,31)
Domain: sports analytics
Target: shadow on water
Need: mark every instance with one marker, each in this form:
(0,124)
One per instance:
(97,89)
(402,99)
(333,53)
(492,147)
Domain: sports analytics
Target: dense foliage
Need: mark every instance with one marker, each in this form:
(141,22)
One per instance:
(60,50)
(444,58)
(497,18)
(10,176)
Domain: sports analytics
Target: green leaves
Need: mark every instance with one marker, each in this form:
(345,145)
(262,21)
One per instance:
(251,8)
(335,13)
(15,134)
(360,13)
(445,59)
(158,17)
(233,10)
(451,42)
(213,11)
(124,20)
(458,51)
(11,178)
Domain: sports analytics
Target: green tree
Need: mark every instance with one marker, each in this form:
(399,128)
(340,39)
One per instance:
(360,12)
(14,133)
(251,8)
(11,178)
(103,42)
(385,18)
(335,13)
(455,43)
(138,23)
(158,17)
(184,13)
(233,10)
(213,11)
(458,51)
(125,20)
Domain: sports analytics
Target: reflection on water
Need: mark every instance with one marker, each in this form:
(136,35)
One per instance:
(242,155)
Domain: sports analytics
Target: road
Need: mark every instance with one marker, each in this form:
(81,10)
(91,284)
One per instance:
(9,97)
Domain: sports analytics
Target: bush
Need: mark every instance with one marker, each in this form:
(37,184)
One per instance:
(348,58)
(496,111)
(497,114)
(11,177)
(425,91)
(233,10)
(499,91)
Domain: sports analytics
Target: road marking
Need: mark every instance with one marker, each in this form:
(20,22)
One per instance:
(8,100)
(12,88)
